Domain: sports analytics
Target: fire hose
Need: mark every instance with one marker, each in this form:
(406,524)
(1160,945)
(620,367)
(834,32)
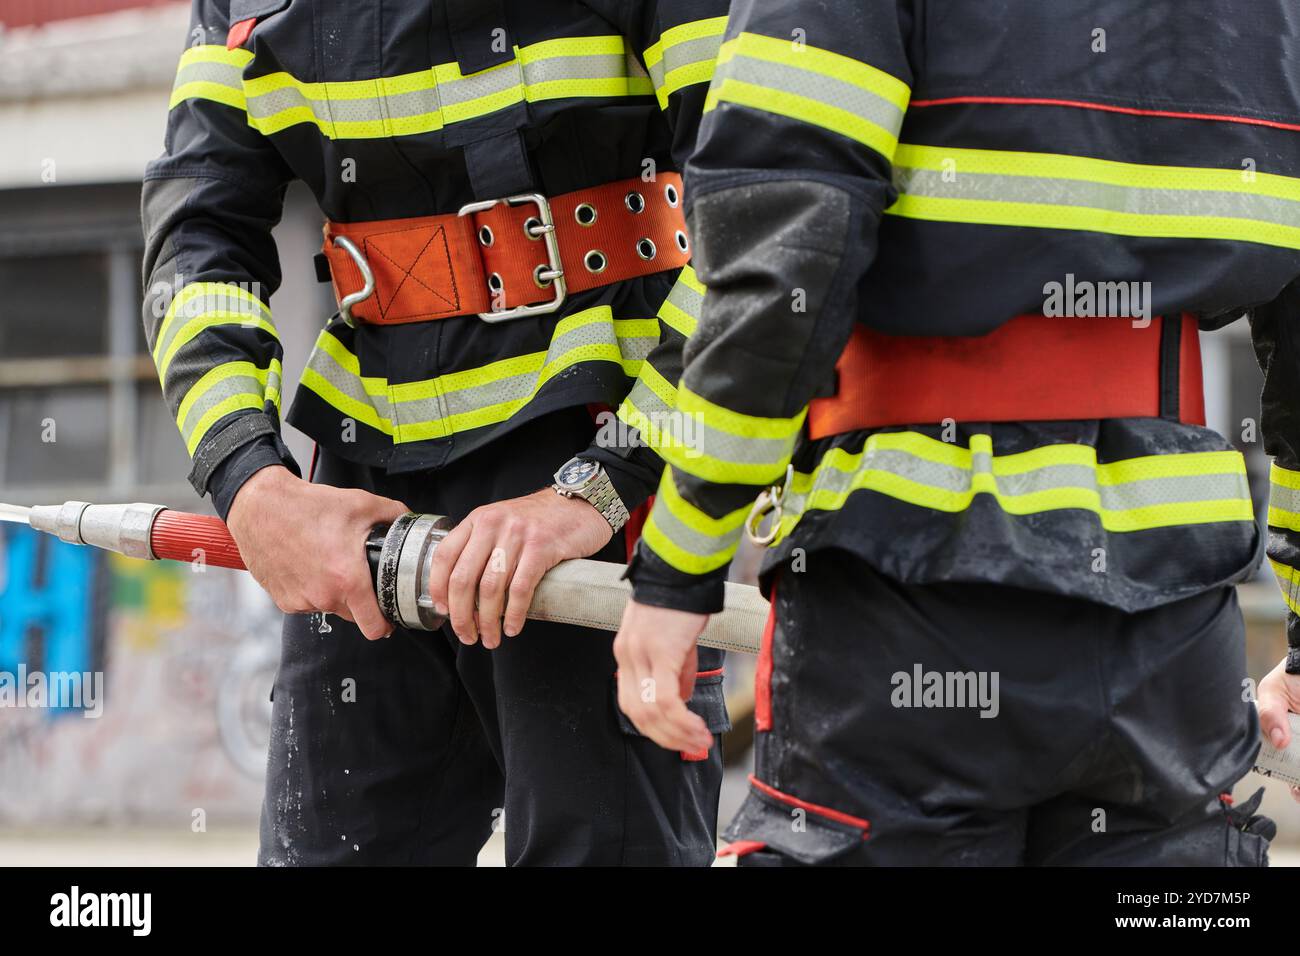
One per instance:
(581,592)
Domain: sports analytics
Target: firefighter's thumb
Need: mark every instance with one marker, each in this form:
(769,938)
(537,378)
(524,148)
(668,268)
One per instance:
(1274,708)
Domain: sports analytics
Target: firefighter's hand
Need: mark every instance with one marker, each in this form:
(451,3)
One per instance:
(306,544)
(657,662)
(1279,694)
(489,566)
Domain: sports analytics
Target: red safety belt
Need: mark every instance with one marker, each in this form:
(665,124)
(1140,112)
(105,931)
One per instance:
(1032,368)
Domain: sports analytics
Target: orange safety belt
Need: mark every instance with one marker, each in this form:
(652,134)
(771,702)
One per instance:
(507,258)
(1032,368)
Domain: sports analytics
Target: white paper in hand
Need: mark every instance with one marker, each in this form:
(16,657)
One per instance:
(1282,764)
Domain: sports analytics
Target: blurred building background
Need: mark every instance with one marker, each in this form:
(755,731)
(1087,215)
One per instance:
(84,86)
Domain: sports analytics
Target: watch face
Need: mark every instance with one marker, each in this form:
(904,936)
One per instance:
(576,472)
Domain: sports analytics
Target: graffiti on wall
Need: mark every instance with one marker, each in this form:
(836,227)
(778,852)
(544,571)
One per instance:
(186,656)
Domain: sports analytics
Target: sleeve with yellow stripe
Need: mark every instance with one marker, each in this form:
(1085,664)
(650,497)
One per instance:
(1277,344)
(678,42)
(209,204)
(785,193)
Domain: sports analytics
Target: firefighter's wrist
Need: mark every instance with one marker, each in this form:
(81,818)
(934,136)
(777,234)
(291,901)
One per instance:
(658,585)
(1293,643)
(230,477)
(634,472)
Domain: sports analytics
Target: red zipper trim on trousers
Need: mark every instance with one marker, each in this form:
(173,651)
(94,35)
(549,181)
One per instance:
(830,814)
(763,672)
(742,848)
(1102,107)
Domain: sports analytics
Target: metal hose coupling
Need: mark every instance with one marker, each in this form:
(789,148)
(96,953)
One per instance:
(122,528)
(401,557)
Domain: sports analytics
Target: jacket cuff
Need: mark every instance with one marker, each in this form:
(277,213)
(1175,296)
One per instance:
(656,583)
(240,461)
(633,471)
(1293,643)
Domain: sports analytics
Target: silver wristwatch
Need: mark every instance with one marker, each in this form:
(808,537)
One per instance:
(586,479)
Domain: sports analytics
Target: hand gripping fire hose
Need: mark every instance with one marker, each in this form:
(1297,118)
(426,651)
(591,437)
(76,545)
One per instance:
(585,593)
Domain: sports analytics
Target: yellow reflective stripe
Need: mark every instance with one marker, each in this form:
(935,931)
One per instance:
(269,379)
(692,281)
(170,339)
(687,538)
(208,90)
(209,320)
(687,290)
(684,55)
(1288,580)
(1110,172)
(1284,498)
(738,423)
(391,106)
(814,59)
(911,478)
(401,400)
(230,95)
(1055,191)
(647,420)
(214,53)
(874,127)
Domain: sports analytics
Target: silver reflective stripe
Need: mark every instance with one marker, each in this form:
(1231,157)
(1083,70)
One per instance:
(436,97)
(1095,195)
(324,365)
(241,313)
(814,86)
(687,299)
(688,539)
(223,389)
(697,439)
(445,402)
(1125,496)
(678,55)
(1280,496)
(223,74)
(604,66)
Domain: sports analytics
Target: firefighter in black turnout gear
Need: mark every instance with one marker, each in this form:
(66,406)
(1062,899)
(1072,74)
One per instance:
(505,237)
(958,257)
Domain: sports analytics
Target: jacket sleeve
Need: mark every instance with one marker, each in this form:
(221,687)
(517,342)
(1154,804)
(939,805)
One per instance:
(208,207)
(677,42)
(1277,345)
(785,194)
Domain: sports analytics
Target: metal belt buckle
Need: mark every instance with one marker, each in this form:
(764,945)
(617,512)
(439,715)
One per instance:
(368,278)
(555,269)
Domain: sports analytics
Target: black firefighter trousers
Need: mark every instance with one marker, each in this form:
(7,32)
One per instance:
(413,749)
(977,725)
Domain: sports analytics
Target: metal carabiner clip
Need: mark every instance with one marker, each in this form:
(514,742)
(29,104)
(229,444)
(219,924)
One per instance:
(366,291)
(770,502)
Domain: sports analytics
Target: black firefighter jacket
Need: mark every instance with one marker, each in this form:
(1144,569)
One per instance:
(392,109)
(934,167)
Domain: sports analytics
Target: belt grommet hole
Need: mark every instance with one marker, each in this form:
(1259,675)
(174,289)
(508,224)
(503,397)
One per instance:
(595,261)
(645,248)
(635,202)
(585,214)
(541,276)
(671,194)
(533,228)
(495,282)
(485,236)
(682,242)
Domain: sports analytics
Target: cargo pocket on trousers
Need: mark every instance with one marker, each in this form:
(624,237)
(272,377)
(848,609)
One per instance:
(771,821)
(708,701)
(1249,833)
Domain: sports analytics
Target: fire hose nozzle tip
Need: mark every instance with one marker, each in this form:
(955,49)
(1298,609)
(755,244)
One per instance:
(63,521)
